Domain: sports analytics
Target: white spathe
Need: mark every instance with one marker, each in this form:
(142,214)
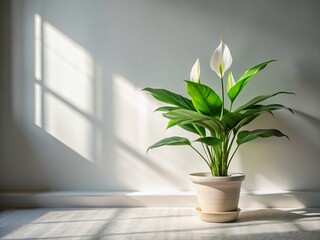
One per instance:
(195,71)
(221,59)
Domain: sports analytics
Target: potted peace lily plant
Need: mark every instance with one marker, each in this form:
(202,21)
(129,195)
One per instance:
(219,130)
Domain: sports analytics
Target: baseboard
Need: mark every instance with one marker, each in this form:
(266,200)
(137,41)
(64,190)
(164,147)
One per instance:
(290,199)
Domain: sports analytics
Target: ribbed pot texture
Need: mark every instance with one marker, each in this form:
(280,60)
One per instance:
(217,194)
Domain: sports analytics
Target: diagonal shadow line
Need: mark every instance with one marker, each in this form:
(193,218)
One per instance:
(90,117)
(107,225)
(311,118)
(102,228)
(276,216)
(117,219)
(271,215)
(160,170)
(22,221)
(246,216)
(247,235)
(71,64)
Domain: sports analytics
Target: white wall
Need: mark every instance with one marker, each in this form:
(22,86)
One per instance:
(74,118)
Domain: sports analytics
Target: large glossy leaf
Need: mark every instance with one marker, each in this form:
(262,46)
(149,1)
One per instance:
(246,120)
(264,108)
(204,99)
(183,116)
(199,130)
(247,136)
(231,119)
(259,99)
(192,127)
(210,141)
(171,141)
(245,78)
(172,123)
(165,109)
(166,96)
(211,125)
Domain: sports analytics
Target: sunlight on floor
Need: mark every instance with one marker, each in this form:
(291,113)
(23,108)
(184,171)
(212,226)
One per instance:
(156,223)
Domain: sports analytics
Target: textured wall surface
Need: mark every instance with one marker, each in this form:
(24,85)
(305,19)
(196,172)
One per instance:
(73,116)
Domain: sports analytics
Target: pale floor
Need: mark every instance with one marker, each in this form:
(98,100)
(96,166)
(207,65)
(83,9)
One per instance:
(156,223)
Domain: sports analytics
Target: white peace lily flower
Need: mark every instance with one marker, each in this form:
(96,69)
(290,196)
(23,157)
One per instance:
(231,81)
(221,59)
(195,72)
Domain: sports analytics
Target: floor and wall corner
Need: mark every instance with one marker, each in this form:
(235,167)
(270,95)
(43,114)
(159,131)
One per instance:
(75,124)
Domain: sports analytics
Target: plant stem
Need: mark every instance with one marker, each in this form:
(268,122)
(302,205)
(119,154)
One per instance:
(210,154)
(199,132)
(222,94)
(205,151)
(233,155)
(231,105)
(231,143)
(224,155)
(201,156)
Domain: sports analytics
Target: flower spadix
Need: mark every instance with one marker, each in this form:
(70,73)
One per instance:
(195,71)
(221,59)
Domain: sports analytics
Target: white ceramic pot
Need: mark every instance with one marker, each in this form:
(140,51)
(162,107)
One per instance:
(217,194)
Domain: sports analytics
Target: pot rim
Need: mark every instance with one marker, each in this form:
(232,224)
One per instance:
(203,177)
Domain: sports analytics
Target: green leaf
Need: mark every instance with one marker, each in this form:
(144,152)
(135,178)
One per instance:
(183,116)
(259,109)
(172,123)
(230,82)
(193,128)
(165,109)
(246,136)
(245,78)
(199,130)
(231,119)
(171,141)
(166,96)
(259,99)
(246,120)
(204,99)
(211,141)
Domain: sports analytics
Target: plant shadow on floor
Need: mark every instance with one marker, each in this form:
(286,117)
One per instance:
(277,214)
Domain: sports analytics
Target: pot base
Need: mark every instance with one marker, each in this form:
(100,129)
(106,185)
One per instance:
(218,217)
